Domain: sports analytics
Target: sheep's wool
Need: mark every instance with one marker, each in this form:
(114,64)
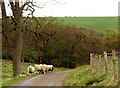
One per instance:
(50,67)
(31,69)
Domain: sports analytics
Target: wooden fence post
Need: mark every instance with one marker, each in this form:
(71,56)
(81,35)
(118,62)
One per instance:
(114,63)
(96,62)
(91,64)
(93,61)
(100,65)
(106,63)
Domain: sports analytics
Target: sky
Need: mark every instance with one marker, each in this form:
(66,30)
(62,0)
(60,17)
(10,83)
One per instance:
(81,8)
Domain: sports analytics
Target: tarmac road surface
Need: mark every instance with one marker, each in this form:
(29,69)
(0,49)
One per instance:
(50,79)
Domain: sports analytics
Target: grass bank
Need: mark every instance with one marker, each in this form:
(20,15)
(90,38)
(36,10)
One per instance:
(7,72)
(84,76)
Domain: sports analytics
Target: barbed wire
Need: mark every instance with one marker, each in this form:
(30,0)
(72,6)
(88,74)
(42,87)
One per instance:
(96,56)
(102,56)
(111,53)
(114,53)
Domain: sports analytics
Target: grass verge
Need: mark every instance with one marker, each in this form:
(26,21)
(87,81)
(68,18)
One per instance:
(84,76)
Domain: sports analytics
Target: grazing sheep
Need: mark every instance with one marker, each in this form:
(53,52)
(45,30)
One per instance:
(50,67)
(41,68)
(31,69)
(44,68)
(36,67)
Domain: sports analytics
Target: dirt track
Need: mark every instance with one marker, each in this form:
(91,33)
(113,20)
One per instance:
(50,79)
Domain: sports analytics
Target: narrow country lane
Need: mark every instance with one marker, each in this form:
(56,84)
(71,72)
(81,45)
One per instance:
(50,79)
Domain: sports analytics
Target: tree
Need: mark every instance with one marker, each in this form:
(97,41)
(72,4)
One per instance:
(17,47)
(111,40)
(15,26)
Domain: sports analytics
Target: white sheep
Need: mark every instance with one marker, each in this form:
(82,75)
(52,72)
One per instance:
(31,69)
(44,68)
(50,67)
(41,68)
(36,67)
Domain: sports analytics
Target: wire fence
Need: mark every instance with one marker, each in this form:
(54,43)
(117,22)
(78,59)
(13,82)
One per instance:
(107,63)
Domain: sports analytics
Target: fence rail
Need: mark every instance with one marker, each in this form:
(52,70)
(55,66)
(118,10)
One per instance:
(107,63)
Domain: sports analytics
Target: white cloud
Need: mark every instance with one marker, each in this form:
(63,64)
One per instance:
(79,8)
(87,8)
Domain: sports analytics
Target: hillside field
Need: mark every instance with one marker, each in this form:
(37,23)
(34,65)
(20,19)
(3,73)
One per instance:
(96,23)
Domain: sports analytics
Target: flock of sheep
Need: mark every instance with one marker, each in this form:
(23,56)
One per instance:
(39,68)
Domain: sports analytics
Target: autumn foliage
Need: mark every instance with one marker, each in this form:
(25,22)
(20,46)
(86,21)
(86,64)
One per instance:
(61,45)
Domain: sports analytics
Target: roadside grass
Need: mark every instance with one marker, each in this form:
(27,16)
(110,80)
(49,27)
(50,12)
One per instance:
(7,69)
(7,79)
(60,69)
(96,23)
(110,66)
(13,81)
(84,76)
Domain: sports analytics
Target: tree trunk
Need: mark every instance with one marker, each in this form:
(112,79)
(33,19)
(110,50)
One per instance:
(17,59)
(16,66)
(40,59)
(23,59)
(19,43)
(3,9)
(3,15)
(67,60)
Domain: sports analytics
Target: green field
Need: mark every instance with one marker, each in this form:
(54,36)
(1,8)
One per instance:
(97,23)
